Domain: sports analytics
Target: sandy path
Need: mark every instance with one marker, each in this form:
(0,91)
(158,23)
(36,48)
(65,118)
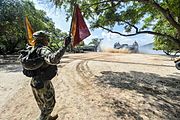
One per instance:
(104,86)
(11,80)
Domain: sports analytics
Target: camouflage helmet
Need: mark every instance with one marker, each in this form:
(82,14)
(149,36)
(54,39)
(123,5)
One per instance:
(41,35)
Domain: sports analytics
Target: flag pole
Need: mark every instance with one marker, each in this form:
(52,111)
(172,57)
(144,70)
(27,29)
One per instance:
(71,46)
(72,19)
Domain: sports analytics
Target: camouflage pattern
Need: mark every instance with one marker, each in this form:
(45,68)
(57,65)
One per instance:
(45,98)
(42,87)
(43,90)
(51,57)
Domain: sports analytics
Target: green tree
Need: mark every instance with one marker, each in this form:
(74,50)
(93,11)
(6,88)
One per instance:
(13,33)
(40,21)
(156,17)
(57,38)
(95,41)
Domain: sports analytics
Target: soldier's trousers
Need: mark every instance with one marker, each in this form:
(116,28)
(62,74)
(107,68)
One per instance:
(45,97)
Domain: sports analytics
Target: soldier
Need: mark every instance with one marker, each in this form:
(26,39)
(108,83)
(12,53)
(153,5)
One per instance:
(40,63)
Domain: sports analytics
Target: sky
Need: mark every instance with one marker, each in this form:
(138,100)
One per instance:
(58,16)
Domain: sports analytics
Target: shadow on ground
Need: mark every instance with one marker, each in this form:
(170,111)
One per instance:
(10,67)
(10,63)
(165,90)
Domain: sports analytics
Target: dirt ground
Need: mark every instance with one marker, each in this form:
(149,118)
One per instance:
(99,86)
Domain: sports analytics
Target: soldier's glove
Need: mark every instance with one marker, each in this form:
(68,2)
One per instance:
(67,41)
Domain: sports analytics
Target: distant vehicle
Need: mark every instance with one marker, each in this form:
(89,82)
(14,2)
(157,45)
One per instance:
(90,48)
(78,50)
(82,49)
(133,48)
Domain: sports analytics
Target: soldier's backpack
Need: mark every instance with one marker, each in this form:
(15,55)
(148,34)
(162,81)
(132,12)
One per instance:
(34,64)
(30,59)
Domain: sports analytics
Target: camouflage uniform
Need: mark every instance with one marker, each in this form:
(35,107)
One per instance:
(42,70)
(45,98)
(43,90)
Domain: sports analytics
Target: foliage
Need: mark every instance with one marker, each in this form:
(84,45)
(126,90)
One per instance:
(13,33)
(80,45)
(57,38)
(157,17)
(163,43)
(95,41)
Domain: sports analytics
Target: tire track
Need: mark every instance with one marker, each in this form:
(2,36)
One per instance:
(85,73)
(83,68)
(83,98)
(93,92)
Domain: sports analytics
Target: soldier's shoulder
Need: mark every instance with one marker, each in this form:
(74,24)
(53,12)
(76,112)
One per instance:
(45,50)
(43,47)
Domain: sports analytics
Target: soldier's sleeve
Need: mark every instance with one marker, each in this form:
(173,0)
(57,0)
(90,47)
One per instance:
(51,57)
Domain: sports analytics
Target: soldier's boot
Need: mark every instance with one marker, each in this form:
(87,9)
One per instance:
(53,117)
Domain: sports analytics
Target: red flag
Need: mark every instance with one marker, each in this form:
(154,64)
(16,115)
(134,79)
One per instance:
(29,32)
(79,28)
